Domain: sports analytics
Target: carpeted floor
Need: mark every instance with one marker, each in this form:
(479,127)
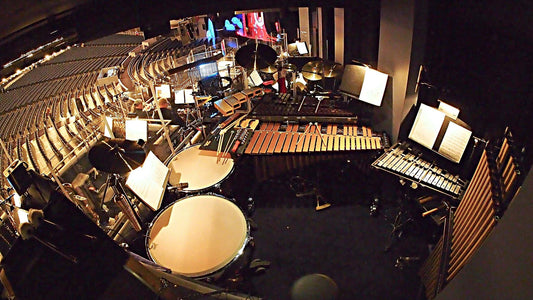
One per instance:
(342,241)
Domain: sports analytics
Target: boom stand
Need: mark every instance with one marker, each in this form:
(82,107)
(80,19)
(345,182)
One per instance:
(122,200)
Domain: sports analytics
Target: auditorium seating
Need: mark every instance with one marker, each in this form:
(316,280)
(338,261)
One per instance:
(51,115)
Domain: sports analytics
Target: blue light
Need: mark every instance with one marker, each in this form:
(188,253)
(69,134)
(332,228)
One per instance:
(210,34)
(236,21)
(229,26)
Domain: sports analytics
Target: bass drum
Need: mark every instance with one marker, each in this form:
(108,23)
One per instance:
(200,169)
(198,236)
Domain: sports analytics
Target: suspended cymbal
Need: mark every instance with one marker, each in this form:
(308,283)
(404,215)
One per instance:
(270,69)
(313,70)
(332,69)
(290,67)
(256,56)
(117,156)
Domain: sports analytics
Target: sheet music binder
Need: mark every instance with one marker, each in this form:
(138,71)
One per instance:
(149,181)
(437,131)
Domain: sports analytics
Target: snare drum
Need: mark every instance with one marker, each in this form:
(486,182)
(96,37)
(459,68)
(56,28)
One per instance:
(198,236)
(200,169)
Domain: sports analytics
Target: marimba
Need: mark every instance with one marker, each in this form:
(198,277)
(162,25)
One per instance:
(277,137)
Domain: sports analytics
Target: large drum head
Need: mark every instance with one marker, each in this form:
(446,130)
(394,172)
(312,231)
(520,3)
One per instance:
(201,169)
(198,235)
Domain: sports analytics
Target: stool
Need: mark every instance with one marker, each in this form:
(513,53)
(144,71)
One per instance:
(314,287)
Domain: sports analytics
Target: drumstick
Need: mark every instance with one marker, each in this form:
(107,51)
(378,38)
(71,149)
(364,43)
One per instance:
(303,134)
(303,100)
(227,147)
(319,133)
(219,146)
(230,142)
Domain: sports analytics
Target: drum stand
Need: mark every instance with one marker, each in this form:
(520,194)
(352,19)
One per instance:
(122,200)
(399,222)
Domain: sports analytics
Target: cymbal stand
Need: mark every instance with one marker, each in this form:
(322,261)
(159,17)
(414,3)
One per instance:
(122,200)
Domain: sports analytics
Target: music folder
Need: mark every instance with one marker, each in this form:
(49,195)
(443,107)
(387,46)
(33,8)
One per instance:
(363,83)
(149,181)
(437,131)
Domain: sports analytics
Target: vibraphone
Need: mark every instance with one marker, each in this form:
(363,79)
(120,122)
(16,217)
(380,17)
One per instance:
(276,137)
(402,162)
(285,107)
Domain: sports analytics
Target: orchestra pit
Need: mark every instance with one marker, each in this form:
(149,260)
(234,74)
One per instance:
(296,150)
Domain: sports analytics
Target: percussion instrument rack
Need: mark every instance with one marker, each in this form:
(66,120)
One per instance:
(405,163)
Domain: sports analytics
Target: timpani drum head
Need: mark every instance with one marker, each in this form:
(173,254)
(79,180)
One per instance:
(201,169)
(197,236)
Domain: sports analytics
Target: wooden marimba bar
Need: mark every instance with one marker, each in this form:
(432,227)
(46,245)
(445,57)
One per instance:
(406,164)
(496,178)
(275,138)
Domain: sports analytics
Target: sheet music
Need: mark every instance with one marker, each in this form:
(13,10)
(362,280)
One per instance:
(163,91)
(109,121)
(256,78)
(449,110)
(136,129)
(454,142)
(149,181)
(427,125)
(302,48)
(373,87)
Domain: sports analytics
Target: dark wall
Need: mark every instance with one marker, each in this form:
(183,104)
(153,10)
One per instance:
(361,30)
(477,56)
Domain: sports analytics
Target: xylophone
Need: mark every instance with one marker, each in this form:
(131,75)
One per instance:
(400,161)
(277,137)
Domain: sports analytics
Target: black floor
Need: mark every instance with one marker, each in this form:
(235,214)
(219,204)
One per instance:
(344,241)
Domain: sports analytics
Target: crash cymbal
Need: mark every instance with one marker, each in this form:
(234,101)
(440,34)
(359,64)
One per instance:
(270,69)
(313,70)
(255,56)
(332,69)
(117,156)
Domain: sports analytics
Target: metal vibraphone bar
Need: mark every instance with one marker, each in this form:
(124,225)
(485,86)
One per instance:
(274,138)
(285,107)
(411,166)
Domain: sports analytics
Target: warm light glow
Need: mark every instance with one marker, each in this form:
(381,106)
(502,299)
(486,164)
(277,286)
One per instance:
(373,88)
(449,110)
(16,200)
(23,216)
